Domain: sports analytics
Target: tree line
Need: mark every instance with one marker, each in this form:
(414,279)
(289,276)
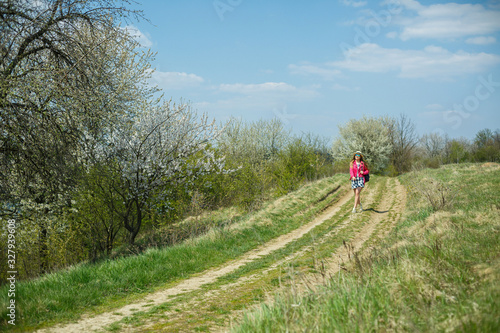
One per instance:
(393,147)
(92,157)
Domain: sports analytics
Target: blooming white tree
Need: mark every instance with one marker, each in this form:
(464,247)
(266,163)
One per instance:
(66,67)
(254,142)
(369,135)
(149,151)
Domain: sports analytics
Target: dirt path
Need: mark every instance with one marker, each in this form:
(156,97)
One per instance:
(394,201)
(381,218)
(89,324)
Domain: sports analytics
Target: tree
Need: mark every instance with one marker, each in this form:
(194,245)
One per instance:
(320,146)
(58,64)
(369,135)
(67,70)
(148,153)
(432,144)
(404,142)
(253,142)
(296,164)
(483,138)
(457,150)
(487,145)
(94,217)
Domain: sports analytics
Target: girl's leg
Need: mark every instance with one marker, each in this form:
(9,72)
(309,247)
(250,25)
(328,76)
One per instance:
(358,196)
(355,197)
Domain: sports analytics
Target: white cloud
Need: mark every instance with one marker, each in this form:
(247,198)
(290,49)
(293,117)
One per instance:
(432,62)
(268,88)
(392,34)
(257,88)
(354,3)
(310,69)
(449,20)
(138,35)
(176,80)
(262,99)
(481,40)
(267,71)
(410,4)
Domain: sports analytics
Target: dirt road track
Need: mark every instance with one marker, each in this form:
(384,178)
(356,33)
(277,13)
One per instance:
(394,201)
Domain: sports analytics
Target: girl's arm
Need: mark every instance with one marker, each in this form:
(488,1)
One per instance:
(352,172)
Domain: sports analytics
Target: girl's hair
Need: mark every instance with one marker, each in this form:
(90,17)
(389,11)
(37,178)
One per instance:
(361,159)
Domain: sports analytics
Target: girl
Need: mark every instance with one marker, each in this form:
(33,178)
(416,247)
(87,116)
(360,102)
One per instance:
(358,169)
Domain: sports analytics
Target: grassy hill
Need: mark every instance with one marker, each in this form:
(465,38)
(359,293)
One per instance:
(439,270)
(95,288)
(432,265)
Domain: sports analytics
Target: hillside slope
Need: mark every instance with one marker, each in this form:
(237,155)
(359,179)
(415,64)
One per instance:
(437,270)
(213,298)
(399,265)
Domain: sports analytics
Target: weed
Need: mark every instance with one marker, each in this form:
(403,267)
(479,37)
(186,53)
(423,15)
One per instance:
(438,194)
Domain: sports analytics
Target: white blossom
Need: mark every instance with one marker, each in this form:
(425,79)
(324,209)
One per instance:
(370,136)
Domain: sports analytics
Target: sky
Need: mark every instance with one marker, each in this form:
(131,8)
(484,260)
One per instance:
(317,64)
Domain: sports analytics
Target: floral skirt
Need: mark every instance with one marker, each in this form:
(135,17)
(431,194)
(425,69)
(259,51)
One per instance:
(358,182)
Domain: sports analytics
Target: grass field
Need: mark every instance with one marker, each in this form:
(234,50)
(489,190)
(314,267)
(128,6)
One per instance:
(65,295)
(437,271)
(430,265)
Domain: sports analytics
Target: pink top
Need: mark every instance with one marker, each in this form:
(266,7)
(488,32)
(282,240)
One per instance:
(354,170)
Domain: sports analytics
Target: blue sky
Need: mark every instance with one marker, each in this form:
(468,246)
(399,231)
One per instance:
(316,64)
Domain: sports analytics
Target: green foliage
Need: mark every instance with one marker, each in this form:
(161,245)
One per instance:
(296,163)
(95,215)
(432,163)
(269,161)
(44,243)
(390,171)
(457,152)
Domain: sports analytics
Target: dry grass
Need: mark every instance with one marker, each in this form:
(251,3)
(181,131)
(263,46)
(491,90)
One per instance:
(438,271)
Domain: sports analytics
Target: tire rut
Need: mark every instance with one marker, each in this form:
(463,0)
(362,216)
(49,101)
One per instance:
(368,229)
(90,323)
(331,267)
(395,201)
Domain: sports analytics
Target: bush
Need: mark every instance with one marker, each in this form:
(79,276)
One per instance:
(432,163)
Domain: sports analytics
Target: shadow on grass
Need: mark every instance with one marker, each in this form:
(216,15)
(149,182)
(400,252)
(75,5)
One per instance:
(376,211)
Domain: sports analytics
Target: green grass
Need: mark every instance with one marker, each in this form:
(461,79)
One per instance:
(65,295)
(320,241)
(437,270)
